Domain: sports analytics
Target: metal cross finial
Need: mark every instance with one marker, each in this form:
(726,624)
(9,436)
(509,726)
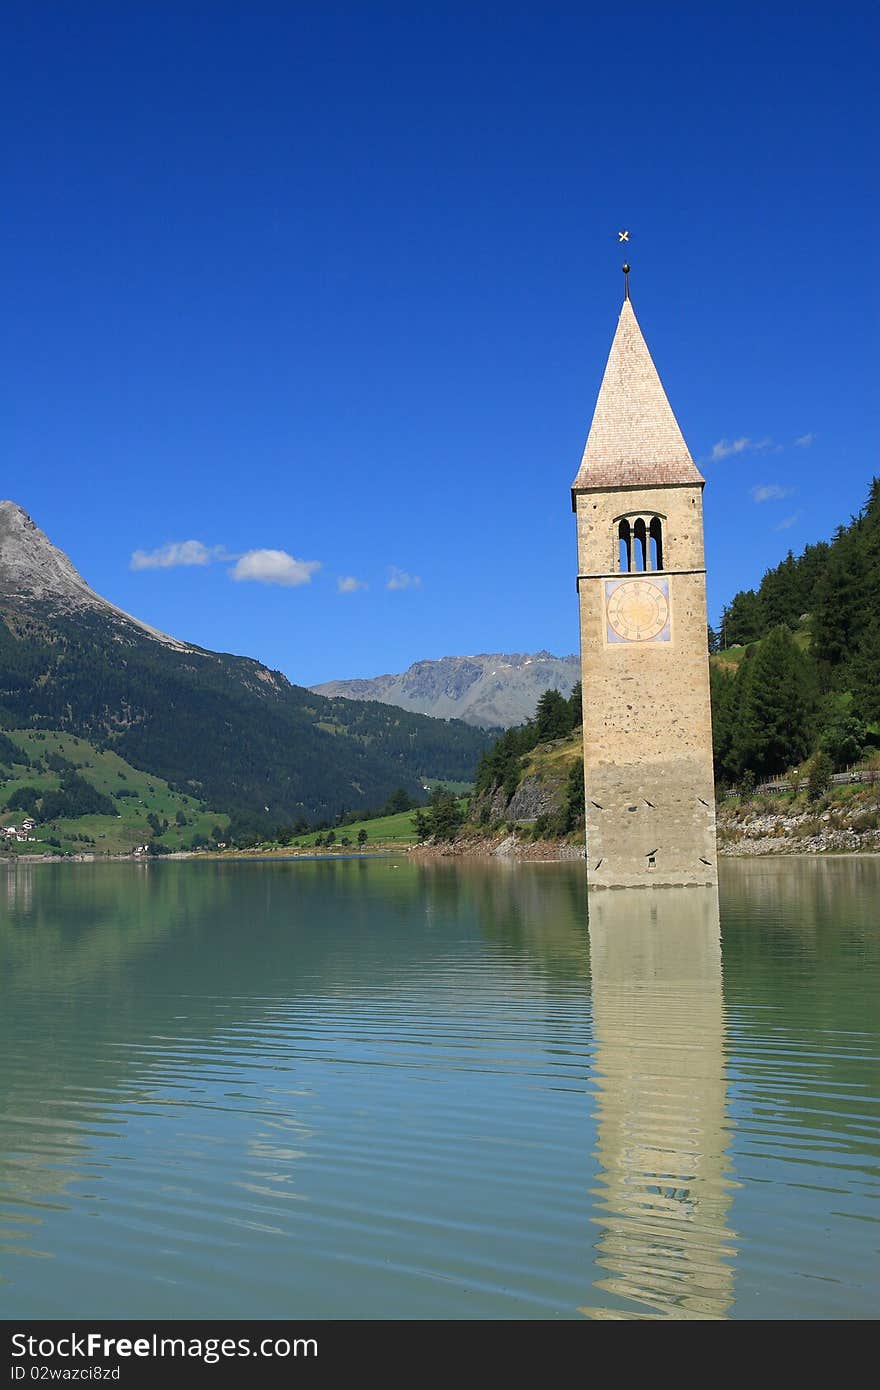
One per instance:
(621,237)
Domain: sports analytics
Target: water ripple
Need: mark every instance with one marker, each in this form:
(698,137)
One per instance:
(367,1094)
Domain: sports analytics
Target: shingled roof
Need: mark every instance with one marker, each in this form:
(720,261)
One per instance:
(634,440)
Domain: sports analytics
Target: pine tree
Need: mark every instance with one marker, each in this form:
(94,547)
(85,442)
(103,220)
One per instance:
(574,806)
(722,685)
(743,620)
(552,717)
(843,739)
(865,673)
(442,818)
(780,596)
(775,715)
(575,705)
(840,616)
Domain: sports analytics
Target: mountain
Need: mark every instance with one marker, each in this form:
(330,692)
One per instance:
(490,690)
(33,571)
(222,728)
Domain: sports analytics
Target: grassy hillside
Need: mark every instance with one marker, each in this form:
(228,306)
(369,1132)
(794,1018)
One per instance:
(135,795)
(552,762)
(729,658)
(397,829)
(383,830)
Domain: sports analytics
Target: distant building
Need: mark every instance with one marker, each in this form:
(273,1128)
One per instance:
(14,834)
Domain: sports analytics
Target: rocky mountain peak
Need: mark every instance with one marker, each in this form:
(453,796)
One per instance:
(489,689)
(34,571)
(31,566)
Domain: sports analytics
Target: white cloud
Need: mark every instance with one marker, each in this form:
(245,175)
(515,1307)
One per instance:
(260,566)
(175,553)
(274,567)
(399,579)
(804,441)
(770,492)
(787,521)
(725,447)
(347,584)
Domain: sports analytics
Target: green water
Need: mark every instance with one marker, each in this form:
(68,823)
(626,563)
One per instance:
(373,1089)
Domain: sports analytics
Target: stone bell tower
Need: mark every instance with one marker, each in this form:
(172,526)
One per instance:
(638,498)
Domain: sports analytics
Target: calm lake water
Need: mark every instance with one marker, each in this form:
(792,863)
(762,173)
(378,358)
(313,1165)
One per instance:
(375,1089)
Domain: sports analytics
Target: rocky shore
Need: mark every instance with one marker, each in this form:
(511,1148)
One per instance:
(838,828)
(499,846)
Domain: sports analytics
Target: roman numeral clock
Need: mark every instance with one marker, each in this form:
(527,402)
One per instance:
(637,610)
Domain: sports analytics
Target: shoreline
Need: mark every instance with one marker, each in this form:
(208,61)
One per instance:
(536,852)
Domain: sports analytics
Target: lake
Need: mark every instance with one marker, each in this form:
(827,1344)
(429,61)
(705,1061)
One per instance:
(371,1088)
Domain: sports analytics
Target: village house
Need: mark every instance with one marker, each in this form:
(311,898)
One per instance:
(12,832)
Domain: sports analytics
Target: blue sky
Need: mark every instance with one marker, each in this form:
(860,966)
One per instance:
(326,291)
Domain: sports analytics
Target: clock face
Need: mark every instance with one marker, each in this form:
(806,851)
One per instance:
(637,610)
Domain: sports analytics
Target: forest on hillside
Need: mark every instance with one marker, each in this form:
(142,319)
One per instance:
(806,680)
(502,764)
(221,727)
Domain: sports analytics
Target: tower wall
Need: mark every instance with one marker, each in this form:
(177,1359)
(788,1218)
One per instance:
(647,719)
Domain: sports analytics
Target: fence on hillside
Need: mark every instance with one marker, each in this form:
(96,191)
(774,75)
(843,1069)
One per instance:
(852,774)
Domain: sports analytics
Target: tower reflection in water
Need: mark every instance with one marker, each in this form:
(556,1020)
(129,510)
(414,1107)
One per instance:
(664,1193)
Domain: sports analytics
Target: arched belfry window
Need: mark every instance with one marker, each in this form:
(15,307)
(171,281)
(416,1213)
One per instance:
(655,548)
(639,543)
(624,546)
(640,547)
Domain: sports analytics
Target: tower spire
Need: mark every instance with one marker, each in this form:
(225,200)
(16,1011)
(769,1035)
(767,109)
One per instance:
(634,439)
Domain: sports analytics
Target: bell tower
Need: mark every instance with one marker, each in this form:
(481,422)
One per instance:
(638,499)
